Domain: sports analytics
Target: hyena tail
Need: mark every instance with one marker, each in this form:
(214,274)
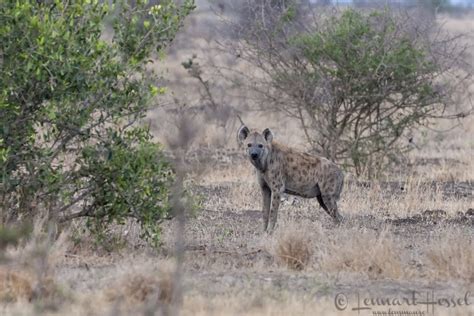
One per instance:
(321,202)
(319,196)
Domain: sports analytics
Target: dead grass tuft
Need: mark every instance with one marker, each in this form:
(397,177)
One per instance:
(15,286)
(36,260)
(294,250)
(143,288)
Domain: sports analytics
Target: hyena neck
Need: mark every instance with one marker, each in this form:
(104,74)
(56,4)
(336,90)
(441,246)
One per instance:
(277,148)
(260,165)
(272,156)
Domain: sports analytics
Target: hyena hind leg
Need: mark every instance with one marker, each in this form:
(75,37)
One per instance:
(329,204)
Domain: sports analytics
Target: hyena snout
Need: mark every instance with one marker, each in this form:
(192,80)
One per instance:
(254,154)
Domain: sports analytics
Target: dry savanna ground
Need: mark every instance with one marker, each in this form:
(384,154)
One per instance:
(411,232)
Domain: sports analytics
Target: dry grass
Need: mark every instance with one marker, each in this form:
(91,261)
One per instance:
(233,268)
(143,287)
(343,252)
(287,304)
(367,253)
(451,256)
(415,194)
(198,305)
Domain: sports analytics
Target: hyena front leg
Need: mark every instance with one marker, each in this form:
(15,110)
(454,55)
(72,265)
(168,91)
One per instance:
(331,207)
(275,204)
(266,202)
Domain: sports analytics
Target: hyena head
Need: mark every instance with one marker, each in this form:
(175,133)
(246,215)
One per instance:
(258,145)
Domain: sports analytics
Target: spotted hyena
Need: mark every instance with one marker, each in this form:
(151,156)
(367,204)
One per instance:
(284,170)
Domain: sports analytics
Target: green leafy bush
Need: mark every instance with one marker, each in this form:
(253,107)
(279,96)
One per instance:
(382,83)
(357,82)
(72,93)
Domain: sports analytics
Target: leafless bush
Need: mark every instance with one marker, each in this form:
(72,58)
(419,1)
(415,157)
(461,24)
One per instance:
(213,108)
(180,144)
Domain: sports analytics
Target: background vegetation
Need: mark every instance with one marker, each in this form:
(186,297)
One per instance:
(112,115)
(357,82)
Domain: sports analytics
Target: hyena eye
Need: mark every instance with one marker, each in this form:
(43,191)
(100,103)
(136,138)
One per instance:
(249,145)
(260,146)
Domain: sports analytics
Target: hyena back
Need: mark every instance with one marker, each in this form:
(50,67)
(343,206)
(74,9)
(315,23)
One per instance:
(284,170)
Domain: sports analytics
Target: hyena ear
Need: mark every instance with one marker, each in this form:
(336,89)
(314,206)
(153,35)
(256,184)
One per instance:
(268,135)
(242,134)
